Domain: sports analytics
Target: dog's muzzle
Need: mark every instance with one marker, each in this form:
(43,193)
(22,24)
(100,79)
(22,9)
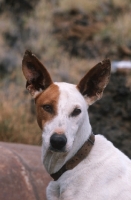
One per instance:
(58,142)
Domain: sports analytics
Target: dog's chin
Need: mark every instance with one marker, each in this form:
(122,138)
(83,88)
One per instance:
(53,150)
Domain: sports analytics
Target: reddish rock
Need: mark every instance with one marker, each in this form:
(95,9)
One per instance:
(22,175)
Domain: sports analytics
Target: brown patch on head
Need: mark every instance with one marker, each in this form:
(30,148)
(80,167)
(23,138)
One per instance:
(46,105)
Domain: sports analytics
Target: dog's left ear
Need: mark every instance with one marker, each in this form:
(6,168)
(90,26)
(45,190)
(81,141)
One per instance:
(37,76)
(93,83)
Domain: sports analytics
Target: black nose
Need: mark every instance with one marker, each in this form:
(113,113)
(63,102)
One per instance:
(58,141)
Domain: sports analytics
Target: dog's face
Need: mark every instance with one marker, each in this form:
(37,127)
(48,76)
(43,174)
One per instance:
(61,110)
(62,107)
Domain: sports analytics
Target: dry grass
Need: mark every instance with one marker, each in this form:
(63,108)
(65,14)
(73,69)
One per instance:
(16,122)
(91,6)
(84,5)
(122,29)
(119,31)
(121,3)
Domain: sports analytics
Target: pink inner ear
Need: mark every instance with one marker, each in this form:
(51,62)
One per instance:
(30,72)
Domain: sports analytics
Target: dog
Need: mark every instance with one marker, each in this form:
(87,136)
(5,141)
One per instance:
(83,166)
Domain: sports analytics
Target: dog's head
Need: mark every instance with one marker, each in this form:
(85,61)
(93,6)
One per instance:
(62,107)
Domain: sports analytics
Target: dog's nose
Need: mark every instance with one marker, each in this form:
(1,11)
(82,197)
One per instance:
(58,141)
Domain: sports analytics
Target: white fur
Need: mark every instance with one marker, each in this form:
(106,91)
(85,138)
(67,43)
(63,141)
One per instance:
(106,172)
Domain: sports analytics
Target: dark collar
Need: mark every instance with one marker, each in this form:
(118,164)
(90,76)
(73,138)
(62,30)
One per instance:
(81,154)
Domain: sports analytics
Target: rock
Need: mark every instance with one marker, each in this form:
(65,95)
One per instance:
(22,175)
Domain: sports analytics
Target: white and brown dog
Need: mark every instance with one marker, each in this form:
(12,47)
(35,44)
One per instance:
(84,166)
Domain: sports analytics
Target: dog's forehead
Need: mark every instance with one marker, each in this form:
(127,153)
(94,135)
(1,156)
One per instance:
(64,94)
(66,88)
(69,94)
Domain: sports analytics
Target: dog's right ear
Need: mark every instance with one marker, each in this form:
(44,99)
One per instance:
(38,78)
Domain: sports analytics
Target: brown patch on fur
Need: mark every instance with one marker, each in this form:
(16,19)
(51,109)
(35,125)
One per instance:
(49,97)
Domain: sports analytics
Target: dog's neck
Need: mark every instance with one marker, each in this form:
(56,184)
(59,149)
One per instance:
(81,154)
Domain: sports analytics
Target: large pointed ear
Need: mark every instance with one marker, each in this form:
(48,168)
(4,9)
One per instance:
(93,83)
(38,78)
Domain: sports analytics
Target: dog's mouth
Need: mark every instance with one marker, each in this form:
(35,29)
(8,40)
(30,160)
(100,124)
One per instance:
(52,149)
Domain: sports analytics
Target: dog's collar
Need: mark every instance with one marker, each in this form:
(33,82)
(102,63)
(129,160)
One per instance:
(77,158)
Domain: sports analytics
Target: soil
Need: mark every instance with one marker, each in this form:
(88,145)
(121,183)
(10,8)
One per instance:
(111,116)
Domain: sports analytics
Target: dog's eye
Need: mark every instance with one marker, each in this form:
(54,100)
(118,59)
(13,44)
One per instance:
(48,108)
(76,112)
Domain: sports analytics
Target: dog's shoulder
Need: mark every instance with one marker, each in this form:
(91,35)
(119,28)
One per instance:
(105,167)
(105,148)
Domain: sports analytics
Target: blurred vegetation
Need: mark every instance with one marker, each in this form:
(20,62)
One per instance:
(44,27)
